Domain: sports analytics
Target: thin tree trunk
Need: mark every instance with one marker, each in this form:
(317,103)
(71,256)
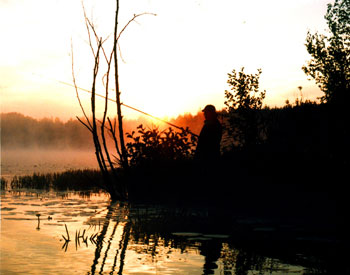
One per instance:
(124,157)
(117,189)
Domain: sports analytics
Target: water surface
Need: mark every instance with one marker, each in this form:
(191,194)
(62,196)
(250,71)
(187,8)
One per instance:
(118,238)
(22,162)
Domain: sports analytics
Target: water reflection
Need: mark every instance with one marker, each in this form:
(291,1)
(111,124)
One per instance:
(150,238)
(111,241)
(91,236)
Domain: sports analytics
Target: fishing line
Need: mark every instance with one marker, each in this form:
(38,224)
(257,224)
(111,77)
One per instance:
(123,104)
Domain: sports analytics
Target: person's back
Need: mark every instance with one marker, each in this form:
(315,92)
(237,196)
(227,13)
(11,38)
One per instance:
(208,147)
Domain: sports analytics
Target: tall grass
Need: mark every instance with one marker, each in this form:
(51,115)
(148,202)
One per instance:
(3,183)
(69,180)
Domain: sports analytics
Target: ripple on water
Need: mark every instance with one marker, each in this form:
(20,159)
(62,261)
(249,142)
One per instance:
(7,208)
(20,219)
(31,213)
(18,203)
(10,214)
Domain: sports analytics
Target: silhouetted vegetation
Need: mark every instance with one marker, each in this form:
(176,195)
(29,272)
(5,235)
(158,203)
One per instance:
(78,180)
(3,183)
(160,161)
(330,68)
(244,101)
(330,63)
(154,145)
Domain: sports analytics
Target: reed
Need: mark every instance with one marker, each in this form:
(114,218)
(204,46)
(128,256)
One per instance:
(3,183)
(67,232)
(38,216)
(73,180)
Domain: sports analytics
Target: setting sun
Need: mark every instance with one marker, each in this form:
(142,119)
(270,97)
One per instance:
(169,64)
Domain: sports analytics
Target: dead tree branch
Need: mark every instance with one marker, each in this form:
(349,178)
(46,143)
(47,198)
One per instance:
(131,20)
(107,166)
(88,124)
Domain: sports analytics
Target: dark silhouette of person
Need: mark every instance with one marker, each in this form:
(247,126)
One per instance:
(208,147)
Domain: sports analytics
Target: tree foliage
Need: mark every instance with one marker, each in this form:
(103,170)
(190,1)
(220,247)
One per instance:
(243,103)
(155,146)
(330,62)
(245,91)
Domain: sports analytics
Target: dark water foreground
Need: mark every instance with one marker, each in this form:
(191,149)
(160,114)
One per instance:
(82,233)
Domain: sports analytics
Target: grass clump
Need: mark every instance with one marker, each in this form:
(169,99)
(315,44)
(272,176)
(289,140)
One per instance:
(68,180)
(3,183)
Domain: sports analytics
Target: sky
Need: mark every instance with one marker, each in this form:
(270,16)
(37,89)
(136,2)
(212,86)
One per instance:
(172,63)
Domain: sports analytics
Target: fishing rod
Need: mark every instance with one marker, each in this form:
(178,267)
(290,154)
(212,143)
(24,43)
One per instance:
(128,106)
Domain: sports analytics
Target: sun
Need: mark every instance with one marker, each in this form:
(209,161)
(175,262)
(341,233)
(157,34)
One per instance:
(151,103)
(153,111)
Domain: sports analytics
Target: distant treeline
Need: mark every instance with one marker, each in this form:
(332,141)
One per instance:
(20,131)
(302,127)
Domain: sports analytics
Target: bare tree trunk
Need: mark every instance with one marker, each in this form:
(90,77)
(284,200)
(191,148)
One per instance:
(112,179)
(124,155)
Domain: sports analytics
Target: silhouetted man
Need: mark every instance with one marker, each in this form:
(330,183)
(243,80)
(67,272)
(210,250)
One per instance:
(208,147)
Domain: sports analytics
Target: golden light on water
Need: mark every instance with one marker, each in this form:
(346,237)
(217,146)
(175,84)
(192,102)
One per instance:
(44,248)
(104,238)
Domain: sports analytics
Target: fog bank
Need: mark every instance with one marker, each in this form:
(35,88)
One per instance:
(23,132)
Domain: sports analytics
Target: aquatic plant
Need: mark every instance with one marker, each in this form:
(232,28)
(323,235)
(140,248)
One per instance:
(68,180)
(3,183)
(38,216)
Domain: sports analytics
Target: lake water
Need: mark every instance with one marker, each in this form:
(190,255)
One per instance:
(80,233)
(119,238)
(28,161)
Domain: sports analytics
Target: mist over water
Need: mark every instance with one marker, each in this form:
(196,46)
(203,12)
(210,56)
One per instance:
(20,162)
(19,131)
(46,145)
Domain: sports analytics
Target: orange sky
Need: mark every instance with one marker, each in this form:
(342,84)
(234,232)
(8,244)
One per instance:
(173,63)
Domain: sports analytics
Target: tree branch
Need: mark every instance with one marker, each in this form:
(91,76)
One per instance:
(131,20)
(89,126)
